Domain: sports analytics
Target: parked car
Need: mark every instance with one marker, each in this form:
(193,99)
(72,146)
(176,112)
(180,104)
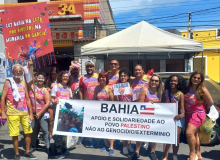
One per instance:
(214,90)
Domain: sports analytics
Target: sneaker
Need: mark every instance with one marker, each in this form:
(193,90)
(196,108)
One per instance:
(135,156)
(125,150)
(80,139)
(144,144)
(93,144)
(51,139)
(17,157)
(130,149)
(153,156)
(111,152)
(30,156)
(60,156)
(175,157)
(103,149)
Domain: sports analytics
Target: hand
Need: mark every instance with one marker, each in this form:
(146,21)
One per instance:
(4,116)
(48,89)
(31,118)
(38,115)
(179,116)
(70,68)
(30,62)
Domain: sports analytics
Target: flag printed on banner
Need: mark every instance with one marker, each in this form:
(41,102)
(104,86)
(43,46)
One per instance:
(147,110)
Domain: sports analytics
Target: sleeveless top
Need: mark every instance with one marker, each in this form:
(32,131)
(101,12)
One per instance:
(14,107)
(192,104)
(151,97)
(113,79)
(88,84)
(102,95)
(75,87)
(136,84)
(63,92)
(40,99)
(174,98)
(126,98)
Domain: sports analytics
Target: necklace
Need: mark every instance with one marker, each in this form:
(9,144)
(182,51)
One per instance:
(40,88)
(150,90)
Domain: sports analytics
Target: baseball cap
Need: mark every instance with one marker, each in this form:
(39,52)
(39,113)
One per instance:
(89,62)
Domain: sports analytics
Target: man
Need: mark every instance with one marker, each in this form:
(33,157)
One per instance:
(19,110)
(114,74)
(74,69)
(87,86)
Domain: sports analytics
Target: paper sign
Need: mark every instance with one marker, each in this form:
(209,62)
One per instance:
(26,31)
(136,94)
(121,89)
(213,113)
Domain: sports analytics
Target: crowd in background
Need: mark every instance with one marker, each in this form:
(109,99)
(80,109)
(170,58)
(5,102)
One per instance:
(33,105)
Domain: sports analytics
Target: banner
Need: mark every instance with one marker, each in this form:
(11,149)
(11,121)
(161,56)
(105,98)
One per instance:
(134,121)
(26,31)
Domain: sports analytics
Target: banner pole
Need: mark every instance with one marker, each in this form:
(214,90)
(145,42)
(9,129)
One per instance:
(176,124)
(32,70)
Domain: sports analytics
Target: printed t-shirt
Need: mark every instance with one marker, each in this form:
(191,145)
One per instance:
(151,97)
(136,84)
(14,107)
(102,95)
(75,87)
(40,99)
(61,92)
(88,84)
(113,79)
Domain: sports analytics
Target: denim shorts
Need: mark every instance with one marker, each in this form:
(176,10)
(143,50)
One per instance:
(181,122)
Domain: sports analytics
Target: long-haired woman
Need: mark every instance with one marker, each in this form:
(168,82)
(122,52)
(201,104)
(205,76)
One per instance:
(42,104)
(197,101)
(61,90)
(103,92)
(175,87)
(153,94)
(49,85)
(124,77)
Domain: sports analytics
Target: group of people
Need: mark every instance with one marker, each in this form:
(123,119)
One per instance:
(193,101)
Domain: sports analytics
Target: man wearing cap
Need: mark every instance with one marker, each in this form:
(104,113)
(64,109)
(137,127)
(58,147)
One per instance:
(19,110)
(87,86)
(74,69)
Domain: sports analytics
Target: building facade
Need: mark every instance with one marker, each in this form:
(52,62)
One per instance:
(211,54)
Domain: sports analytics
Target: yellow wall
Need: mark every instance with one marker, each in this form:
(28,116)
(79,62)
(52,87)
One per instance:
(209,39)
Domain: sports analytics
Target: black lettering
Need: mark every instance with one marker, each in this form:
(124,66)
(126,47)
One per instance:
(134,109)
(104,107)
(122,108)
(113,108)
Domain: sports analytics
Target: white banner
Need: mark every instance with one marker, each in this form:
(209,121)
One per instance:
(134,121)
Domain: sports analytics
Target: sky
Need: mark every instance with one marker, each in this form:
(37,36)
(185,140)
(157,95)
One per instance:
(167,14)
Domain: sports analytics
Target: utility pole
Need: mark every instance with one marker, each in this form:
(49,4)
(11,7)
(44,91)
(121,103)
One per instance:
(189,36)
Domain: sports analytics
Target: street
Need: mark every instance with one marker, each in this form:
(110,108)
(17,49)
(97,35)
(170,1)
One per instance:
(81,152)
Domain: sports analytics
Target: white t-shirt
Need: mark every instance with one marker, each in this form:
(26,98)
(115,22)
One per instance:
(55,89)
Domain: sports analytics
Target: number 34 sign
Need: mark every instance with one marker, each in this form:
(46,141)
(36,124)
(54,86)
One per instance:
(66,7)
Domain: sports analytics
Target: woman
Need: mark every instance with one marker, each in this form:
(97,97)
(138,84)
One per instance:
(153,94)
(175,89)
(61,90)
(197,101)
(103,92)
(42,103)
(49,84)
(141,79)
(124,77)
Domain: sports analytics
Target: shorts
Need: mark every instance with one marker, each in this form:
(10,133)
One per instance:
(181,122)
(196,118)
(14,125)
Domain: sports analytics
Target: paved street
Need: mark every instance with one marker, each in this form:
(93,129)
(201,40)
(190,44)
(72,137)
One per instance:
(83,153)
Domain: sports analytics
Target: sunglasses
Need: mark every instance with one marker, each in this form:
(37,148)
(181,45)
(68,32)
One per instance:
(40,79)
(18,71)
(194,77)
(154,80)
(114,64)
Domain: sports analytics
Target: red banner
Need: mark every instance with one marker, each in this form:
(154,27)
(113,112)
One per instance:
(26,31)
